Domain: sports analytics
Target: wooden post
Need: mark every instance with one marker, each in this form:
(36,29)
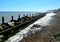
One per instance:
(2,20)
(19,16)
(12,17)
(30,15)
(27,15)
(24,15)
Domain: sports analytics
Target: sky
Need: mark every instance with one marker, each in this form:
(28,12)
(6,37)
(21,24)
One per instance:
(29,5)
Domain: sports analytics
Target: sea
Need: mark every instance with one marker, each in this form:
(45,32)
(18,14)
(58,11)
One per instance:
(7,15)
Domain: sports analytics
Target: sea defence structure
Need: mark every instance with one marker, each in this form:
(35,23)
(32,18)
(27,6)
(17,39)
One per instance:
(10,28)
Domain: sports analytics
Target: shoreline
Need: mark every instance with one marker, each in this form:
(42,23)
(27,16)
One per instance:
(27,31)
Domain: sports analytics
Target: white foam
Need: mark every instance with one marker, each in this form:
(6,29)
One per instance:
(43,21)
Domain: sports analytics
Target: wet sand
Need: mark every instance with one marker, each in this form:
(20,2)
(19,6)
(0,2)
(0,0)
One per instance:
(54,26)
(39,36)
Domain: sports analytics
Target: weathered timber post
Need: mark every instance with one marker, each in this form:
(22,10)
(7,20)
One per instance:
(24,15)
(19,16)
(27,15)
(2,20)
(30,15)
(12,18)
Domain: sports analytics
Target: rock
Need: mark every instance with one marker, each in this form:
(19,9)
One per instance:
(35,26)
(11,23)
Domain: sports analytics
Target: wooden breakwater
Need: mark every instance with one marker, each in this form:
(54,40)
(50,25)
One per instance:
(18,24)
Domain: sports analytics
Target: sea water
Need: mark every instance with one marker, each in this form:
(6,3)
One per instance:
(7,15)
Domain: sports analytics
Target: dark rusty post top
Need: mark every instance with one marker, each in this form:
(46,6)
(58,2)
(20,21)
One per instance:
(24,15)
(12,17)
(19,16)
(3,20)
(30,15)
(27,15)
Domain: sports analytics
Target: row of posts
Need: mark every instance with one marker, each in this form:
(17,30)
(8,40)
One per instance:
(18,17)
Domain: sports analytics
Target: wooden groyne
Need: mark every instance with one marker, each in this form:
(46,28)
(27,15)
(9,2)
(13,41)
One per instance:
(9,29)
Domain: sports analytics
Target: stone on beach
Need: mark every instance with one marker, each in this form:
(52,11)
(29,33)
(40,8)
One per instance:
(11,23)
(35,26)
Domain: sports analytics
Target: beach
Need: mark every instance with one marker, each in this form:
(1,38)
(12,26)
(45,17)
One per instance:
(29,20)
(37,35)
